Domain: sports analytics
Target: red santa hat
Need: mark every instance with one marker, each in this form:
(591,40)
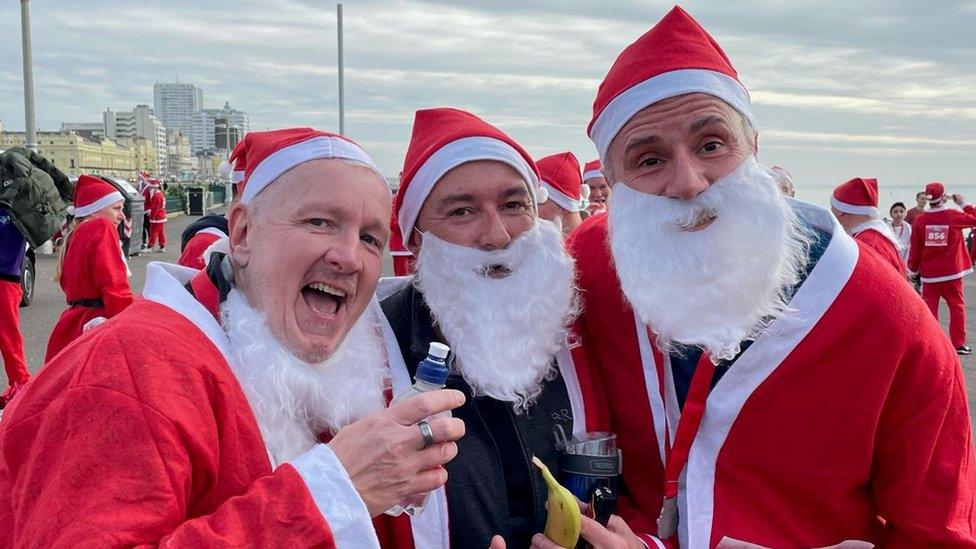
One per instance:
(442,140)
(858,196)
(235,163)
(781,174)
(934,191)
(560,175)
(676,57)
(592,169)
(93,194)
(270,154)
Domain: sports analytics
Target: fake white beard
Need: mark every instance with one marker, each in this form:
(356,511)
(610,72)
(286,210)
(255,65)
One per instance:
(717,287)
(293,401)
(504,332)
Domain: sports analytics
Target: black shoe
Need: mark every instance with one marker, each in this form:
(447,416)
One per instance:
(964,350)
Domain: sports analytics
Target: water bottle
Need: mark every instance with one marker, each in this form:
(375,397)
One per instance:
(589,462)
(431,376)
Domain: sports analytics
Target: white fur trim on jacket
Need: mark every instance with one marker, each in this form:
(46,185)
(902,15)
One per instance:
(336,497)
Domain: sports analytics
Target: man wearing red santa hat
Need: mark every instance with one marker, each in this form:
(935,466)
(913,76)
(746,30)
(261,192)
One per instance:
(855,205)
(156,204)
(939,257)
(496,285)
(728,328)
(200,235)
(560,176)
(599,188)
(202,428)
(91,269)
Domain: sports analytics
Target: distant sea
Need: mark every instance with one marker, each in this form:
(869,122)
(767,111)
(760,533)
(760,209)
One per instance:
(887,194)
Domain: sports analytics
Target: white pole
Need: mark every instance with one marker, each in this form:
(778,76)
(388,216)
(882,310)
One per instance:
(30,134)
(342,86)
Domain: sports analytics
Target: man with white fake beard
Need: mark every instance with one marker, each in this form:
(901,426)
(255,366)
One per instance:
(770,381)
(249,411)
(495,284)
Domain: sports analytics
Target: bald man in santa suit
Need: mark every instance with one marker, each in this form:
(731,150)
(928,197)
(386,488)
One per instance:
(771,381)
(855,205)
(248,410)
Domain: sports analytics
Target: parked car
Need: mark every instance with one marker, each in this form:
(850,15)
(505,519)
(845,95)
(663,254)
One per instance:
(27,277)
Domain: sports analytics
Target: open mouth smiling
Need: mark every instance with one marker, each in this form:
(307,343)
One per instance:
(700,224)
(325,299)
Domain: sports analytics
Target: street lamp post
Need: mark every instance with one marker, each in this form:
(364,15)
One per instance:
(342,87)
(30,135)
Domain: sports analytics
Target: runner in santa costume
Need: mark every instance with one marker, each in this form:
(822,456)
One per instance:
(200,235)
(769,380)
(200,429)
(855,204)
(157,216)
(91,269)
(597,183)
(403,262)
(497,287)
(560,176)
(939,257)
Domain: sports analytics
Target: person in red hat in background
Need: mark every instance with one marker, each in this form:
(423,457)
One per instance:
(784,180)
(403,261)
(206,427)
(156,204)
(496,285)
(726,323)
(855,204)
(203,233)
(91,269)
(599,188)
(938,256)
(560,176)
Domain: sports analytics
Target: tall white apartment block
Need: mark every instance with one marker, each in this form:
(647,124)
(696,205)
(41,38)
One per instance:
(176,103)
(139,122)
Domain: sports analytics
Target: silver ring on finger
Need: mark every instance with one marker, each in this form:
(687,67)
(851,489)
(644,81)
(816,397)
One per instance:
(427,433)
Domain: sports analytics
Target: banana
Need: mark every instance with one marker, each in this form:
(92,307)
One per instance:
(563,522)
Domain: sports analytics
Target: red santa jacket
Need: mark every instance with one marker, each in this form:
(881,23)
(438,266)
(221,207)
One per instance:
(157,206)
(879,237)
(938,251)
(848,420)
(144,437)
(93,271)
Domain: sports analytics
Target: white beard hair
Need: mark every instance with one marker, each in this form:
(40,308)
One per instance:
(715,288)
(504,332)
(293,401)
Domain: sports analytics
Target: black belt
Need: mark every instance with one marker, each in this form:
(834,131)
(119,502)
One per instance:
(91,303)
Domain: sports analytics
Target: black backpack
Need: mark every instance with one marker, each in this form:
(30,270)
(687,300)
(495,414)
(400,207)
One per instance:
(35,192)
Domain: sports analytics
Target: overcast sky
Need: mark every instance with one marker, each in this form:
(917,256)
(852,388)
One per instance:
(841,89)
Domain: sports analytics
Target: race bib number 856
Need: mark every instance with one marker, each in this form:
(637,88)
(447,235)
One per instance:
(936,235)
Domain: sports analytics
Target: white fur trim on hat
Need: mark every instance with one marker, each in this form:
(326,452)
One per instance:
(592,174)
(287,158)
(562,200)
(852,209)
(237,176)
(98,205)
(225,167)
(449,157)
(664,86)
